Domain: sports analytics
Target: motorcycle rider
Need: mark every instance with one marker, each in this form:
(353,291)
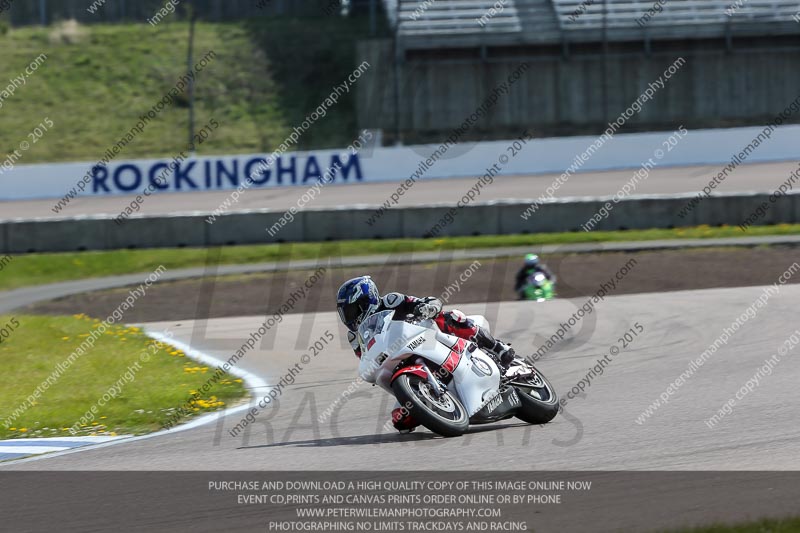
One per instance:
(359,298)
(531,266)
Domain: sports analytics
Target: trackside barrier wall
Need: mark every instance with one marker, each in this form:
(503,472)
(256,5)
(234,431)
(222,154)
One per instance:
(389,164)
(504,217)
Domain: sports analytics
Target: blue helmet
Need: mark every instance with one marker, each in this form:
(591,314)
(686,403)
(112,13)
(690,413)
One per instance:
(356,300)
(531,260)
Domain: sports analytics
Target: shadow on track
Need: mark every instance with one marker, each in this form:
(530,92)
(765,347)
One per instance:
(380,438)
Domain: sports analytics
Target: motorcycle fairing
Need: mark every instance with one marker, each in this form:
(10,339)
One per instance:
(499,407)
(474,372)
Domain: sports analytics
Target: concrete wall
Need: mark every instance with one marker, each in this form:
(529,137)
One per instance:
(98,233)
(398,163)
(576,90)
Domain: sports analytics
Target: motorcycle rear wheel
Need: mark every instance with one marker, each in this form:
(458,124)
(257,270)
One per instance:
(538,397)
(444,416)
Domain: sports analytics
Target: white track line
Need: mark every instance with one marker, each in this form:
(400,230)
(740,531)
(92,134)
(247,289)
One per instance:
(252,383)
(34,450)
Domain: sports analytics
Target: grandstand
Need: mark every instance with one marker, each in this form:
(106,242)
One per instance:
(589,59)
(455,23)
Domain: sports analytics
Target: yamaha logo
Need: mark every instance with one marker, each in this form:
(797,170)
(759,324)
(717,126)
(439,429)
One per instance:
(413,344)
(495,403)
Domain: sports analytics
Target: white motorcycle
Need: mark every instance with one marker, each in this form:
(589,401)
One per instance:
(447,383)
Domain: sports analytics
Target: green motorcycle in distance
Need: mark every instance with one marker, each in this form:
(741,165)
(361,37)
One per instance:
(538,288)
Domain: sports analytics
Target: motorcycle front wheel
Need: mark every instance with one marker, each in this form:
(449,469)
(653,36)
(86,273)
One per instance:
(443,415)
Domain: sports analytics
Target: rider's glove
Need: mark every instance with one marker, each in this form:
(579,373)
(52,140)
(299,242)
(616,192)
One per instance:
(429,308)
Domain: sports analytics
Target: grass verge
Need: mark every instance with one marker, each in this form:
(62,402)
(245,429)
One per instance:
(788,525)
(37,269)
(134,383)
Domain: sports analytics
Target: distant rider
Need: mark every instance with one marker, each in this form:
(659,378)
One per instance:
(359,298)
(531,266)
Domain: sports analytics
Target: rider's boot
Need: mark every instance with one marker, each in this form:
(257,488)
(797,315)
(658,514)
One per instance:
(402,420)
(503,353)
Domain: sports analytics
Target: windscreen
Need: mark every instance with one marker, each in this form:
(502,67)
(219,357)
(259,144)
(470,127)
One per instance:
(373,325)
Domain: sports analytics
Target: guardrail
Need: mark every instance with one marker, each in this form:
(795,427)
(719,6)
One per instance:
(499,217)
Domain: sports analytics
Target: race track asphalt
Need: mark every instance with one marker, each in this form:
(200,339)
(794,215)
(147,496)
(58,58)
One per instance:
(598,431)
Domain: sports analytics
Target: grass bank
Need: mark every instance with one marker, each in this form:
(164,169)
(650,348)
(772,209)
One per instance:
(36,269)
(95,81)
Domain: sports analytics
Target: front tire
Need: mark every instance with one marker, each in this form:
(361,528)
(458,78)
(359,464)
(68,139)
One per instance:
(538,397)
(445,415)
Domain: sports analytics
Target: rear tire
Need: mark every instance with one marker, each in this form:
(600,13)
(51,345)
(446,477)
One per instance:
(539,399)
(444,416)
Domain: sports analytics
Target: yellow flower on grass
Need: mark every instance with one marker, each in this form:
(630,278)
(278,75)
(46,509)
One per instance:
(24,430)
(64,338)
(12,429)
